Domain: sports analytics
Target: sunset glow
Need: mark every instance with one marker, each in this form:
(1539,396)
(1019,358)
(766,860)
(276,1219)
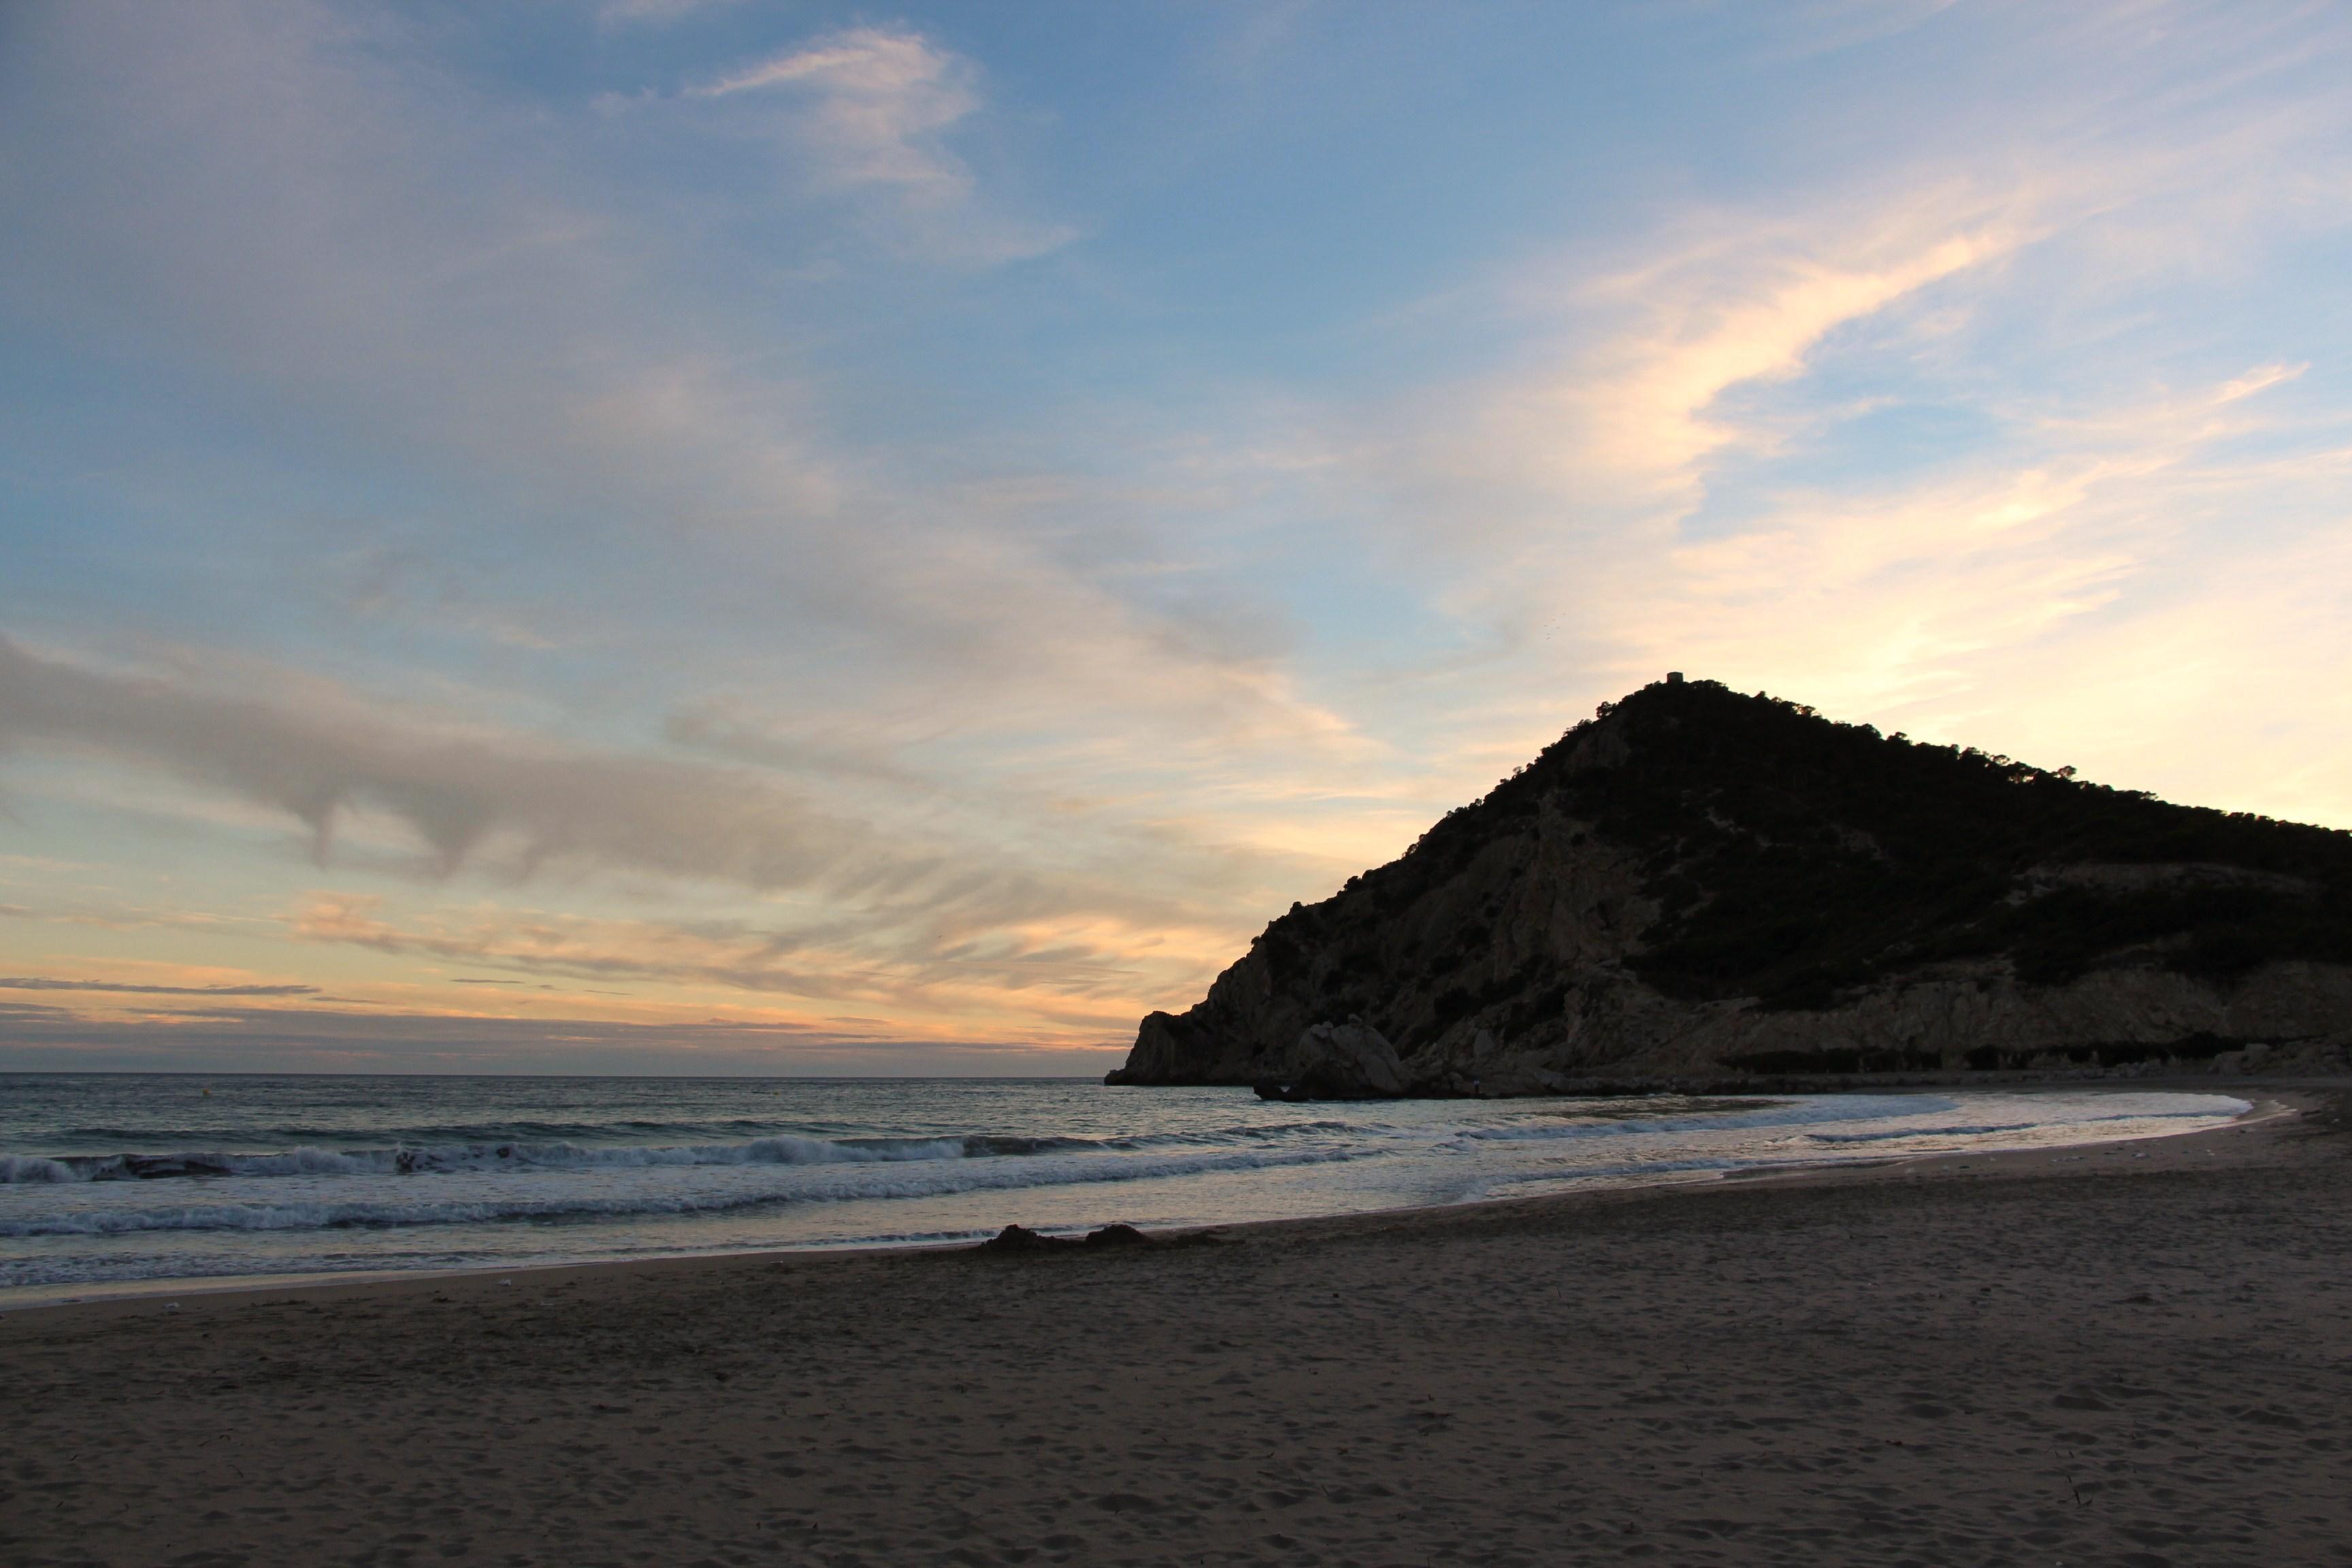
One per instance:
(719,537)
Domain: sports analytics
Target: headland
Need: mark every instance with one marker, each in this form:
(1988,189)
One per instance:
(1702,891)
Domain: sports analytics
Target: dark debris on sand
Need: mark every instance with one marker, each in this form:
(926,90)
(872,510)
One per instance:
(1021,1239)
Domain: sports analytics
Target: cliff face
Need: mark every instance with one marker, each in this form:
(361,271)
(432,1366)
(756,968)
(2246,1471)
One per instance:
(1701,885)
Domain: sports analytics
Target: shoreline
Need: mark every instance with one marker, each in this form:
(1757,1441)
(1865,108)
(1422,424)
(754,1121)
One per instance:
(2289,1101)
(2133,1352)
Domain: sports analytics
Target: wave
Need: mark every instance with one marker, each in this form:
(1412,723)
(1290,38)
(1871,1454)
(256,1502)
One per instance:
(1993,1129)
(1985,1131)
(564,1153)
(520,1129)
(783,1149)
(974,1176)
(1714,1116)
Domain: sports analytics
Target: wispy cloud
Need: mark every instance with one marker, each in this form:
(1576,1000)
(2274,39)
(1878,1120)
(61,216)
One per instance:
(45,982)
(869,110)
(879,99)
(323,1039)
(1645,407)
(1056,982)
(653,13)
(623,528)
(1659,494)
(1626,414)
(1071,921)
(465,795)
(442,282)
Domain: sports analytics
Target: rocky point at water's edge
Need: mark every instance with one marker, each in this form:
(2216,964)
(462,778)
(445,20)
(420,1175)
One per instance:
(1698,888)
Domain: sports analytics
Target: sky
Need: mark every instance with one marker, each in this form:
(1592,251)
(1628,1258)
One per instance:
(718,536)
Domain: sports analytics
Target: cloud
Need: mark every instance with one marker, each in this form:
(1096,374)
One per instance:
(2262,378)
(1642,409)
(464,794)
(1049,981)
(613,13)
(1631,414)
(1550,503)
(1914,440)
(1915,598)
(1818,27)
(322,1040)
(746,614)
(511,803)
(878,98)
(275,196)
(870,112)
(29,982)
(259,194)
(951,910)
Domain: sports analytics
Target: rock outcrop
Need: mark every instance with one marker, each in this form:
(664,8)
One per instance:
(1335,1061)
(1700,886)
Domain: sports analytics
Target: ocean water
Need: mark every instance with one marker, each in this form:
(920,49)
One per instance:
(116,1178)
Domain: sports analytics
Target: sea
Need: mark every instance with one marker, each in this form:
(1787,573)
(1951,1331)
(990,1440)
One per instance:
(119,1182)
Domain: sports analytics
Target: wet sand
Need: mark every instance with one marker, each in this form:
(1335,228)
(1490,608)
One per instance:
(2140,1354)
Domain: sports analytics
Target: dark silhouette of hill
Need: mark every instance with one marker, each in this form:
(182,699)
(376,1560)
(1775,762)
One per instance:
(1699,882)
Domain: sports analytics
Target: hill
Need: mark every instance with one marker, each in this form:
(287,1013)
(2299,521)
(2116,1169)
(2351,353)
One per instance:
(1698,885)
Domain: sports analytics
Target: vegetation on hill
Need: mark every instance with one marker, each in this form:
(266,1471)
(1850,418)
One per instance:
(1706,880)
(1794,857)
(1691,846)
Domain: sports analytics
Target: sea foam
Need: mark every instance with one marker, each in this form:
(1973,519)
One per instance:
(125,1177)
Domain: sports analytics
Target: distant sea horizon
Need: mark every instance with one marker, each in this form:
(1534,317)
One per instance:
(513,1073)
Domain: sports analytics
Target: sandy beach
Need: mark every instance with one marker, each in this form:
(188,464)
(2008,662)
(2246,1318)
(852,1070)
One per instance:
(2139,1353)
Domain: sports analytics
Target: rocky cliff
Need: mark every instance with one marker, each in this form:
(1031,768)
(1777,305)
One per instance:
(1697,885)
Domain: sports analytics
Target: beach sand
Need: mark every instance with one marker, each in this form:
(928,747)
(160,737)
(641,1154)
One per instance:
(2139,1354)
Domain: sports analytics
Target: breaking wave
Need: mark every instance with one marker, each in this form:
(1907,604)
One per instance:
(522,1154)
(781,1150)
(445,1207)
(121,1178)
